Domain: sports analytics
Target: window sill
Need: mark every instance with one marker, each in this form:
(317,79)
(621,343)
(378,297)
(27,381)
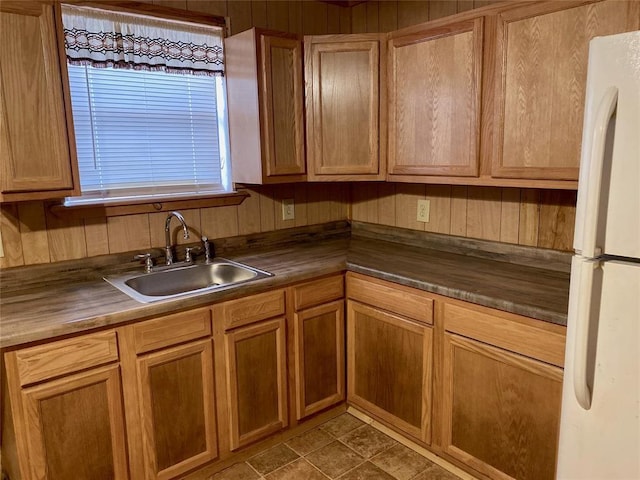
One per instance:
(145,206)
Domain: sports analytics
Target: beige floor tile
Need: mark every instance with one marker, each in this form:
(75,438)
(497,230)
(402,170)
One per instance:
(341,425)
(367,441)
(435,472)
(401,462)
(309,441)
(298,470)
(334,459)
(272,459)
(366,471)
(239,471)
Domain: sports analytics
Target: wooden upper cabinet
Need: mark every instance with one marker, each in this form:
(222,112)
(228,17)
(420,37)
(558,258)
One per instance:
(37,156)
(345,97)
(434,76)
(266,116)
(541,70)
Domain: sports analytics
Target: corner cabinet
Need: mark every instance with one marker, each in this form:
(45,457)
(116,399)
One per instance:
(434,76)
(540,77)
(37,158)
(346,105)
(389,354)
(266,106)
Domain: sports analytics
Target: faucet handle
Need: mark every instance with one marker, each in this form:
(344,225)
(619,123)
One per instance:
(207,249)
(148,261)
(189,252)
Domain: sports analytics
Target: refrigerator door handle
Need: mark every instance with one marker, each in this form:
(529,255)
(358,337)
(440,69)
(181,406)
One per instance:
(596,163)
(582,322)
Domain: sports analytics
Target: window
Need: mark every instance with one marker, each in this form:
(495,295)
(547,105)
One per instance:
(148,124)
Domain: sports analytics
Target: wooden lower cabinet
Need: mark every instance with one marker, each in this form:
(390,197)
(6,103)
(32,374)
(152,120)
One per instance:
(501,410)
(177,405)
(319,357)
(256,381)
(75,427)
(389,362)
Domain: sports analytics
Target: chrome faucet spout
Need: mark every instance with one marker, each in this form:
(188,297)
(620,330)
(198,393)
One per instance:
(167,234)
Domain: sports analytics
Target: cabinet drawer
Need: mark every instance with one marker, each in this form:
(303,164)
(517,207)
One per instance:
(252,309)
(66,356)
(317,292)
(172,329)
(532,338)
(398,299)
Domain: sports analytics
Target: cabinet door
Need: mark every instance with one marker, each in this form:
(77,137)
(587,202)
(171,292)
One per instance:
(256,381)
(501,410)
(389,368)
(282,119)
(434,101)
(343,107)
(177,409)
(36,155)
(541,71)
(319,357)
(75,427)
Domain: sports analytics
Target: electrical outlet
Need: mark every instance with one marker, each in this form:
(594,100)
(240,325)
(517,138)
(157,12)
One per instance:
(423,210)
(288,209)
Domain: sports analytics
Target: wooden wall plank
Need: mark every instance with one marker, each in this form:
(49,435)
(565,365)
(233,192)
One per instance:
(239,12)
(96,236)
(318,203)
(483,213)
(278,15)
(510,215)
(33,233)
(129,232)
(259,13)
(295,16)
(267,209)
(333,18)
(407,196)
(359,18)
(388,15)
(66,238)
(314,18)
(464,5)
(557,219)
(442,8)
(387,203)
(412,12)
(213,7)
(440,209)
(249,214)
(11,241)
(364,206)
(219,222)
(529,217)
(300,199)
(459,211)
(373,25)
(345,20)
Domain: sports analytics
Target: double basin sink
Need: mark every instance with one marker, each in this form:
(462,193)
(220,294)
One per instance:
(192,279)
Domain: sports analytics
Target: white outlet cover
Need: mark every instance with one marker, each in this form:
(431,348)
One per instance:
(423,211)
(288,209)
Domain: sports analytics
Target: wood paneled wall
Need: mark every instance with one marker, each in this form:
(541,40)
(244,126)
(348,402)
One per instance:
(31,234)
(540,218)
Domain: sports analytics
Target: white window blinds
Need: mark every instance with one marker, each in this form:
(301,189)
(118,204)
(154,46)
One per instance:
(144,133)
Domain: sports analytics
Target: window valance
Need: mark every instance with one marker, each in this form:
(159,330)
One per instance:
(102,38)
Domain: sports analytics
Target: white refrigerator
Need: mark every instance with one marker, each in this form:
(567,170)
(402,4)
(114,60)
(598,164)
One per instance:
(600,420)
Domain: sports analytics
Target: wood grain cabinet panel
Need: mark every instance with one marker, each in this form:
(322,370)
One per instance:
(501,410)
(37,158)
(345,107)
(256,381)
(75,427)
(540,72)
(319,361)
(434,78)
(389,364)
(266,106)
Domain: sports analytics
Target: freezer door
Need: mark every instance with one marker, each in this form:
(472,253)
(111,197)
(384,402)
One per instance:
(608,211)
(600,434)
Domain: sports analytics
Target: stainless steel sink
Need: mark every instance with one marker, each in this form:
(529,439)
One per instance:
(185,280)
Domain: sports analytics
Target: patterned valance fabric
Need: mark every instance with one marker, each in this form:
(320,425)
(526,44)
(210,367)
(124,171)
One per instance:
(102,38)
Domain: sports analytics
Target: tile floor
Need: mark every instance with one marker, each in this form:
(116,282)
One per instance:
(343,448)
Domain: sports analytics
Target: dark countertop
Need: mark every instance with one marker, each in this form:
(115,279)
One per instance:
(47,306)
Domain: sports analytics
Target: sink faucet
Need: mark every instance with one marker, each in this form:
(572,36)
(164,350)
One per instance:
(167,234)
